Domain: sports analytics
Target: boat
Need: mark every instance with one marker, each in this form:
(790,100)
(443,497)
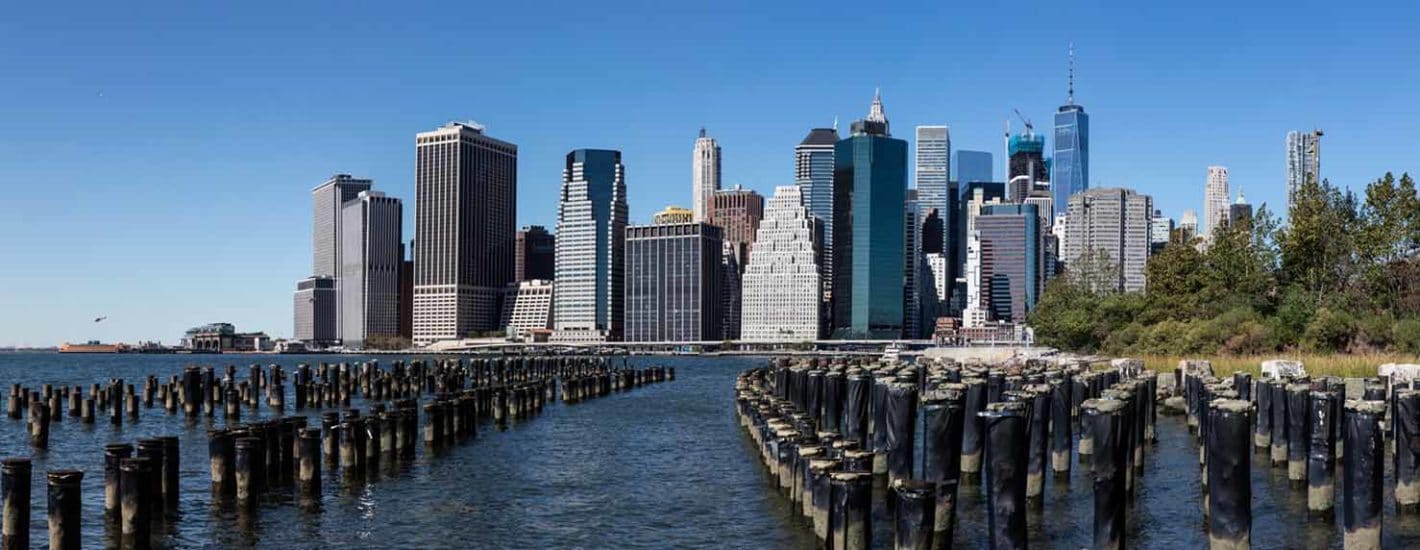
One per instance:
(92,346)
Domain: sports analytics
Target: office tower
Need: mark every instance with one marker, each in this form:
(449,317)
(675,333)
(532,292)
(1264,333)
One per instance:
(673,278)
(1240,212)
(406,294)
(912,263)
(705,179)
(1070,163)
(315,304)
(782,285)
(973,313)
(737,211)
(968,166)
(731,290)
(371,256)
(531,310)
(1111,225)
(465,198)
(933,231)
(869,191)
(1027,168)
(534,251)
(813,172)
(975,195)
(937,266)
(672,214)
(1187,226)
(1012,262)
(1303,161)
(326,200)
(1215,200)
(933,156)
(1160,231)
(591,246)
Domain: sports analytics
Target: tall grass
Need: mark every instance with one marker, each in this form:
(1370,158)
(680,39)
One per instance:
(1345,366)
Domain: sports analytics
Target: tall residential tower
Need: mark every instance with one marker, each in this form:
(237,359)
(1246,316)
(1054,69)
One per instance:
(1215,200)
(1303,161)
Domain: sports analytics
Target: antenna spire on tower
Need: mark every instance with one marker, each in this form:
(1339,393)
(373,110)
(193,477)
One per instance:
(1070,100)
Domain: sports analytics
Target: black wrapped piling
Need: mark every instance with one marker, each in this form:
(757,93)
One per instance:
(1038,439)
(1298,432)
(249,460)
(114,455)
(900,414)
(820,473)
(171,489)
(1061,403)
(1103,419)
(855,406)
(973,403)
(1262,438)
(221,455)
(942,412)
(1362,474)
(136,523)
(1229,474)
(852,510)
(1321,458)
(914,514)
(65,505)
(308,471)
(15,500)
(1406,420)
(1004,427)
(1279,423)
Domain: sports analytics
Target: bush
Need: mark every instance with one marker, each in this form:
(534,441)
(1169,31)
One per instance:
(1374,332)
(1251,338)
(1329,331)
(1406,335)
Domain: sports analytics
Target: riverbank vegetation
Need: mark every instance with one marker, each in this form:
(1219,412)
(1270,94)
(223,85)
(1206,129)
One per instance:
(1343,276)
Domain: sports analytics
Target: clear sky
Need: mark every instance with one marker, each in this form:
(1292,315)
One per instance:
(156,158)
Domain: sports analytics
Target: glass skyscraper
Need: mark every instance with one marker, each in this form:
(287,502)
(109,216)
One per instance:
(869,248)
(969,166)
(1070,167)
(1012,265)
(590,248)
(933,153)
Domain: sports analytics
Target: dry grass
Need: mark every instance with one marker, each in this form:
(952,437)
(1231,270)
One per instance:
(1345,366)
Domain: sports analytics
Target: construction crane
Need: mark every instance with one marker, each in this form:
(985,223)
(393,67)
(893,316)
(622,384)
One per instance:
(1030,129)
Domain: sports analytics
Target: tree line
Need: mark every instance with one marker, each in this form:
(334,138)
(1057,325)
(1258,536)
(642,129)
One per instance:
(1342,275)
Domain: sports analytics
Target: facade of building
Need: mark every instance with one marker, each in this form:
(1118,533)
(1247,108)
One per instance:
(1012,259)
(1215,200)
(976,195)
(813,171)
(912,266)
(531,309)
(591,248)
(326,201)
(1188,226)
(315,303)
(672,214)
(371,255)
(737,211)
(968,166)
(673,280)
(782,285)
(1070,161)
(1160,231)
(465,200)
(1027,161)
(534,250)
(1303,161)
(932,177)
(1114,223)
(705,179)
(973,313)
(223,337)
(406,296)
(869,194)
(731,290)
(1240,212)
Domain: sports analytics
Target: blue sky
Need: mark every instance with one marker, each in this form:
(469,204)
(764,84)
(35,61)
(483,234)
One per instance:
(156,157)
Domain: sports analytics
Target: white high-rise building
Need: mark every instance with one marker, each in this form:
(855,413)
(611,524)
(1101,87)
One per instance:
(590,257)
(933,152)
(371,257)
(782,296)
(1215,200)
(1188,225)
(1303,161)
(705,180)
(1115,222)
(532,308)
(937,266)
(974,315)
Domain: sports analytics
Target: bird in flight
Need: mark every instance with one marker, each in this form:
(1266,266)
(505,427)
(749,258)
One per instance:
(98,319)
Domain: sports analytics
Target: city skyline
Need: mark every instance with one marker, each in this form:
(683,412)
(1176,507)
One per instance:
(109,234)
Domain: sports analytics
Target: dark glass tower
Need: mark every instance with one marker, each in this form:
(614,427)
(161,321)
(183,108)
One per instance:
(869,248)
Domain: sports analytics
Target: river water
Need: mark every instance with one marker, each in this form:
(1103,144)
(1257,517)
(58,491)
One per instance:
(666,465)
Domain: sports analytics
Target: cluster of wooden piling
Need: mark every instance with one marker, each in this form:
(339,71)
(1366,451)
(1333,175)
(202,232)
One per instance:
(827,426)
(255,459)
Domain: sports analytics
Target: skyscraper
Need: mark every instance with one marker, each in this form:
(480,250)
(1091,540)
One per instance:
(315,304)
(813,172)
(912,264)
(591,246)
(933,156)
(1188,226)
(968,166)
(371,256)
(1240,212)
(465,198)
(975,195)
(673,283)
(782,285)
(705,177)
(326,201)
(737,211)
(1303,161)
(534,252)
(869,194)
(1160,231)
(1012,262)
(1070,164)
(1114,224)
(731,290)
(1027,165)
(1215,200)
